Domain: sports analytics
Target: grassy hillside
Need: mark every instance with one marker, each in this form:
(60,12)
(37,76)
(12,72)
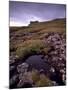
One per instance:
(35,31)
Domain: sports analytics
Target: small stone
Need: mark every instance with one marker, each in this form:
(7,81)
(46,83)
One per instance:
(41,71)
(11,61)
(12,68)
(52,70)
(63,77)
(20,84)
(54,83)
(60,58)
(62,71)
(17,56)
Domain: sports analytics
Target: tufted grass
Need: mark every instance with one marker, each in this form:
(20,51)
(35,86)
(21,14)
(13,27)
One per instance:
(31,47)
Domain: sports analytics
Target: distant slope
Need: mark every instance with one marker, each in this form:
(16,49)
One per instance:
(35,30)
(40,25)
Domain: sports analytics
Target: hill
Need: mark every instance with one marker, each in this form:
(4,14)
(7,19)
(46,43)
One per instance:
(35,30)
(47,39)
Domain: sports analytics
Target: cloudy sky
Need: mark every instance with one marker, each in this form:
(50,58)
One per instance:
(21,13)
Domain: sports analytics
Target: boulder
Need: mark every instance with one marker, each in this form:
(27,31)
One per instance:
(22,67)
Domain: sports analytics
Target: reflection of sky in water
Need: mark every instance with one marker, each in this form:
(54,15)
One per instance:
(22,13)
(38,63)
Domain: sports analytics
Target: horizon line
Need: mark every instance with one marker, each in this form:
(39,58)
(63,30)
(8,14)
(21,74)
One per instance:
(25,25)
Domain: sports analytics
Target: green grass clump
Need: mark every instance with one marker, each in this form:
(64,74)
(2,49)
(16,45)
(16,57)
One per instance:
(44,81)
(32,47)
(35,76)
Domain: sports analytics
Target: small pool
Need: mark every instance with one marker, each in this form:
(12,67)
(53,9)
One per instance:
(37,62)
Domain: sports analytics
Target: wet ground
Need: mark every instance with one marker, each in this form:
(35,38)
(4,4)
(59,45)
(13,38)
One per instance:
(38,62)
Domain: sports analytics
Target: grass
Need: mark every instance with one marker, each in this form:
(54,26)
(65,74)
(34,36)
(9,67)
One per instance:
(32,46)
(35,76)
(40,80)
(44,81)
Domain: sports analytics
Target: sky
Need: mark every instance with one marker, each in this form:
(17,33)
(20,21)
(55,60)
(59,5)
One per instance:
(21,13)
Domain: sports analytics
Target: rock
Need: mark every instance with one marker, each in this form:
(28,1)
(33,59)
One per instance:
(53,39)
(13,81)
(22,67)
(25,78)
(52,70)
(20,76)
(13,58)
(60,58)
(42,71)
(11,61)
(54,83)
(53,53)
(64,78)
(16,56)
(54,58)
(20,84)
(62,71)
(24,84)
(12,68)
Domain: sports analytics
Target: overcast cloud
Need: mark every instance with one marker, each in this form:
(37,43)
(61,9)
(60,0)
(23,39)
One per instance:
(21,13)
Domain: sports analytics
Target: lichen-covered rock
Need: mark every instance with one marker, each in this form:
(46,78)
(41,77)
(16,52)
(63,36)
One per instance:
(22,67)
(25,78)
